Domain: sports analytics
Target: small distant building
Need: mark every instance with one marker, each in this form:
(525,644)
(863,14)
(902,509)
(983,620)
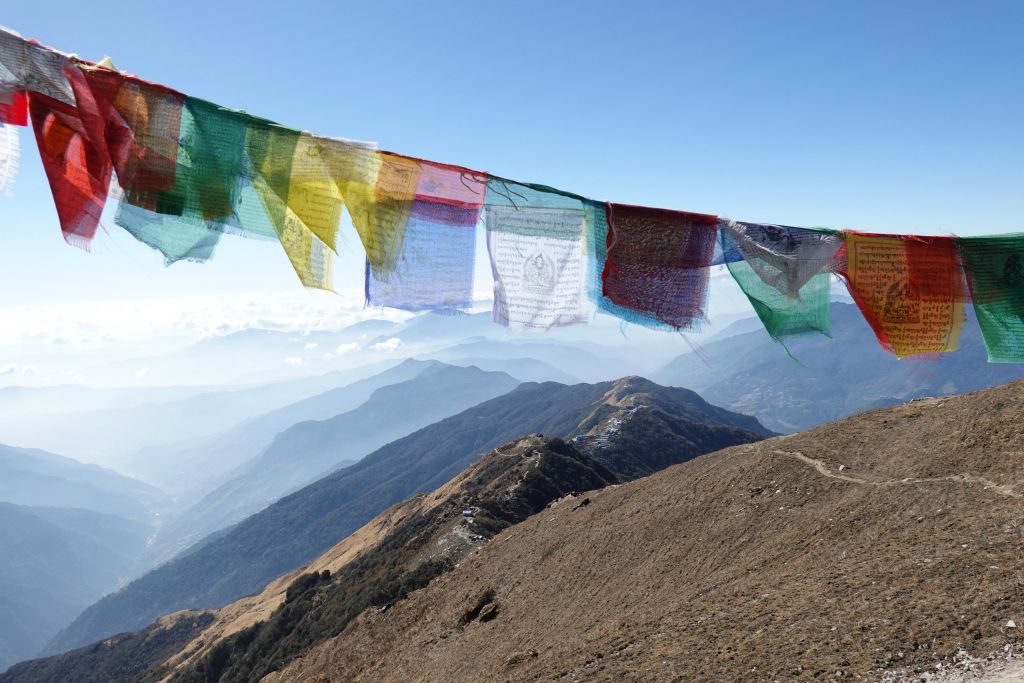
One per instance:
(467,512)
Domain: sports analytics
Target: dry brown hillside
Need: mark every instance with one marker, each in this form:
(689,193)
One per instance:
(437,529)
(883,542)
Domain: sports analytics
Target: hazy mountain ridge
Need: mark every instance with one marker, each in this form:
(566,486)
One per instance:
(420,538)
(835,377)
(524,369)
(176,466)
(300,526)
(54,562)
(34,477)
(588,362)
(307,450)
(111,435)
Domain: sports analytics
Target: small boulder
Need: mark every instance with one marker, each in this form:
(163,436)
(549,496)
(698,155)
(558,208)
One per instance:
(489,612)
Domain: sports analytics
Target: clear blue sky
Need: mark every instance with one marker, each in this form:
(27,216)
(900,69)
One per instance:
(887,116)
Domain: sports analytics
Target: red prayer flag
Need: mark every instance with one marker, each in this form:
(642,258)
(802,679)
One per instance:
(658,262)
(142,124)
(71,145)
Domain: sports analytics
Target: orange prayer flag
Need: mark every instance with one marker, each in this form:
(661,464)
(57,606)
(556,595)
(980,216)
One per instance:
(910,290)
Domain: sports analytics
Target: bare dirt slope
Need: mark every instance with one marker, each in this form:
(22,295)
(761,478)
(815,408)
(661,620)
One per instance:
(871,548)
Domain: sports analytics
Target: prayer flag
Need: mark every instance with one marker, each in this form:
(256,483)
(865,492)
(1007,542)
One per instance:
(74,155)
(910,290)
(784,272)
(434,266)
(142,128)
(27,66)
(535,238)
(657,263)
(995,273)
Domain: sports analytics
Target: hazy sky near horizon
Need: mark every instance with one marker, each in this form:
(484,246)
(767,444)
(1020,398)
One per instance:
(885,116)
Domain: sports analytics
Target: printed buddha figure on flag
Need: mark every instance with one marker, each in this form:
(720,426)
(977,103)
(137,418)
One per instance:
(1013,271)
(901,306)
(539,273)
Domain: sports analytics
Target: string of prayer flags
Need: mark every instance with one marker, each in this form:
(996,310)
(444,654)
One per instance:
(785,273)
(185,171)
(72,146)
(657,263)
(434,265)
(535,239)
(995,274)
(910,290)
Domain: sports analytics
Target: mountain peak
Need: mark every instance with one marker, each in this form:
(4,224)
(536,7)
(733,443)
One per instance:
(625,390)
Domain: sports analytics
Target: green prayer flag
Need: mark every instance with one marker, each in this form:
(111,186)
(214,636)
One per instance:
(995,273)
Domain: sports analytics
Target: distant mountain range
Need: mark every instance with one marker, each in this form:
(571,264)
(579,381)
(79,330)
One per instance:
(835,377)
(33,477)
(190,466)
(588,362)
(398,551)
(69,533)
(308,450)
(54,562)
(608,421)
(524,369)
(111,434)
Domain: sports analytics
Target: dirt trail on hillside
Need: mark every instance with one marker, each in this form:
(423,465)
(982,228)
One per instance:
(822,468)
